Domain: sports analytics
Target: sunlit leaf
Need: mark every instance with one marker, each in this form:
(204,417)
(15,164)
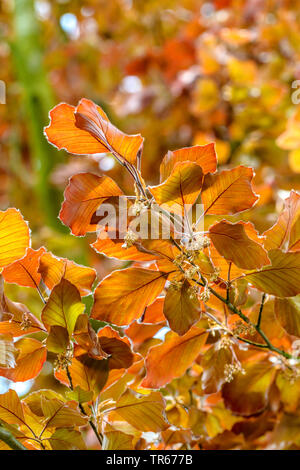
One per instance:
(171,359)
(248,393)
(87,373)
(203,155)
(228,192)
(63,306)
(29,361)
(7,352)
(285,233)
(239,244)
(60,414)
(87,130)
(123,295)
(117,348)
(282,278)
(24,272)
(14,236)
(54,269)
(83,195)
(144,412)
(181,308)
(288,314)
(180,189)
(11,410)
(67,439)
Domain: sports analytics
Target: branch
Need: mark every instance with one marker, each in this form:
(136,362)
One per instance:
(238,312)
(91,423)
(7,437)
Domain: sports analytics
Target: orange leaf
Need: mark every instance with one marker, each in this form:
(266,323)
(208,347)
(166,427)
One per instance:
(24,272)
(181,188)
(16,320)
(29,362)
(53,269)
(116,347)
(14,236)
(114,249)
(282,278)
(87,338)
(171,358)
(86,372)
(154,312)
(228,192)
(234,244)
(181,309)
(143,412)
(285,233)
(203,155)
(87,130)
(139,332)
(11,410)
(83,195)
(248,393)
(122,296)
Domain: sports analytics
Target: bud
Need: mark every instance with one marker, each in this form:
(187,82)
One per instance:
(129,239)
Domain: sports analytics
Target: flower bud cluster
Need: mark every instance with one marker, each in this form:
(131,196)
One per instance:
(230,370)
(129,239)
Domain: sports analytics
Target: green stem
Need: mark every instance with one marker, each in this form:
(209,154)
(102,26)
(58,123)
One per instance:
(10,440)
(238,312)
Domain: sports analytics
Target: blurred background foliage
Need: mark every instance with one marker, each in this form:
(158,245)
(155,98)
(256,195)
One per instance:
(180,72)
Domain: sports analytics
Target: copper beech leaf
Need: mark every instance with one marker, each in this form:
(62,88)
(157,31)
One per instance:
(14,236)
(87,130)
(247,394)
(122,296)
(285,233)
(83,195)
(239,243)
(172,358)
(181,308)
(16,320)
(154,312)
(63,306)
(180,189)
(203,155)
(54,269)
(86,337)
(114,439)
(7,352)
(143,412)
(58,339)
(61,414)
(114,248)
(287,312)
(11,410)
(116,347)
(228,192)
(213,363)
(282,278)
(24,271)
(87,373)
(29,361)
(67,439)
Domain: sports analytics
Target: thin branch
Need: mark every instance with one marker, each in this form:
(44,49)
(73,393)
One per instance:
(261,309)
(238,312)
(9,439)
(91,423)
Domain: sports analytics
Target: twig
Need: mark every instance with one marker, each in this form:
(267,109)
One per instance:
(7,437)
(91,423)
